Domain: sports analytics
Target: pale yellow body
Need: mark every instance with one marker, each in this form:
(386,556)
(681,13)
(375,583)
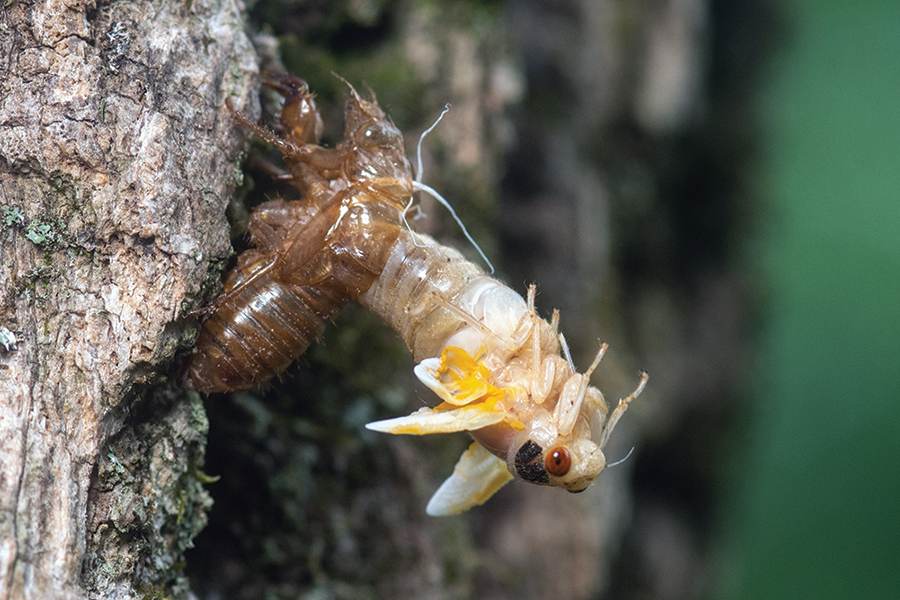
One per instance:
(497,368)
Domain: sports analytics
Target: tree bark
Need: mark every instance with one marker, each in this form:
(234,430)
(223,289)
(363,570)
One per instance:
(117,159)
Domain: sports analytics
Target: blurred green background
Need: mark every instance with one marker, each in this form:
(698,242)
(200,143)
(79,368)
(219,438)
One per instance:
(816,511)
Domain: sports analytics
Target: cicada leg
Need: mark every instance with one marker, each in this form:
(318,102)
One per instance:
(621,408)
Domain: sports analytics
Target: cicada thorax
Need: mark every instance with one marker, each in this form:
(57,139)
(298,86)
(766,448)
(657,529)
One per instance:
(313,256)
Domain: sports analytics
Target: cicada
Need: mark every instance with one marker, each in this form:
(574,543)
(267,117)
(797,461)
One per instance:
(500,372)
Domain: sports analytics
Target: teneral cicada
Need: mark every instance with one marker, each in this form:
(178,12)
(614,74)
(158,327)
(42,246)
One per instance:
(501,372)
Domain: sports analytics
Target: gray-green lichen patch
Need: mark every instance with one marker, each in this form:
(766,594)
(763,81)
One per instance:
(47,233)
(148,500)
(13,216)
(56,220)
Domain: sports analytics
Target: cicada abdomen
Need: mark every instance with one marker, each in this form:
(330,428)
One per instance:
(312,256)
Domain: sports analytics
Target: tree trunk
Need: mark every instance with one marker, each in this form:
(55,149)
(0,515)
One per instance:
(117,159)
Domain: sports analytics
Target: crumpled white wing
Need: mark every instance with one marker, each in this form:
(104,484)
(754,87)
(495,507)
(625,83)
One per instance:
(476,477)
(428,420)
(425,371)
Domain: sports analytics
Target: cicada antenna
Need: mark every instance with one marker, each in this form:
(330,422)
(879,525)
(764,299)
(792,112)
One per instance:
(419,168)
(621,460)
(418,185)
(620,410)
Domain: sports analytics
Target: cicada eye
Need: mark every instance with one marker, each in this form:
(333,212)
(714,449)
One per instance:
(558,461)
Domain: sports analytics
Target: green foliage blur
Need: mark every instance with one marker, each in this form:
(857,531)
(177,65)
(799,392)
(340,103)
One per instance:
(817,510)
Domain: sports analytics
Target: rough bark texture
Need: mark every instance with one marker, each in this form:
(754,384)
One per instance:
(117,158)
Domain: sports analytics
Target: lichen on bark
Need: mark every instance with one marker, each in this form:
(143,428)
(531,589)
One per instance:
(147,499)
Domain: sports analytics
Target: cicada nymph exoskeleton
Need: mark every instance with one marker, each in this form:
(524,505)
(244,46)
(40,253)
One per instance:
(501,372)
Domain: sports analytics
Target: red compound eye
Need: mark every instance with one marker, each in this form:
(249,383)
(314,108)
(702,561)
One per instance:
(558,461)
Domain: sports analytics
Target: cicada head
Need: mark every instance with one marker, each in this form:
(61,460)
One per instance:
(378,158)
(547,451)
(570,464)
